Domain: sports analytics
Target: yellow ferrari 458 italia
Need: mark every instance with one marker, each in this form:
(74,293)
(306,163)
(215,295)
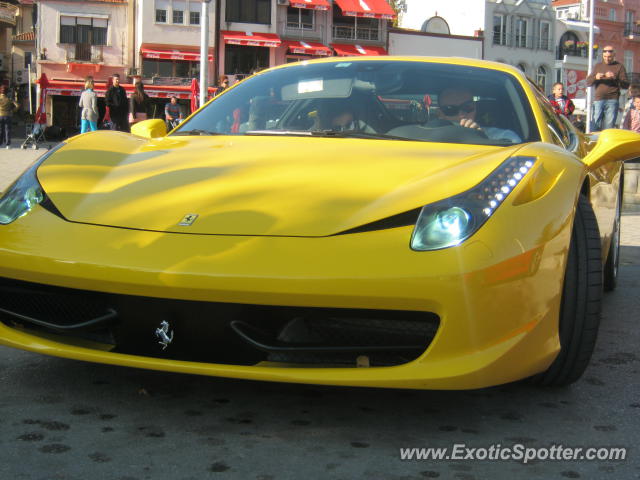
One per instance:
(424,223)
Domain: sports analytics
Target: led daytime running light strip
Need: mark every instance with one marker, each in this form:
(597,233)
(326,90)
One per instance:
(503,182)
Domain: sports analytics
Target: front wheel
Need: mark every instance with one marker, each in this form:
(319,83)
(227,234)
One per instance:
(581,301)
(613,257)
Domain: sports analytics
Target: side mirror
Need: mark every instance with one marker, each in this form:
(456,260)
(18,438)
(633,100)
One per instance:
(613,145)
(150,128)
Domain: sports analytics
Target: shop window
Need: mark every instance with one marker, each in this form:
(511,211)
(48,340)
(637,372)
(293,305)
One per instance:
(169,68)
(244,60)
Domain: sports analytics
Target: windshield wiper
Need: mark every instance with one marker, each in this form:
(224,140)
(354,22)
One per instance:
(196,131)
(358,134)
(278,132)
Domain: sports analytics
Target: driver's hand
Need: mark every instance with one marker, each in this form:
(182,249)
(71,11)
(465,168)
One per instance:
(468,123)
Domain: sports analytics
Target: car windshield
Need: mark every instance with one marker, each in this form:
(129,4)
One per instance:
(374,99)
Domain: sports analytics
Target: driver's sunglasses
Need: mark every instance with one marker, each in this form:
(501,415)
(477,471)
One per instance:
(452,110)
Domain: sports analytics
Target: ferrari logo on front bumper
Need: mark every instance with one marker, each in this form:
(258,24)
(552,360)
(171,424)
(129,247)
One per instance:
(188,220)
(163,334)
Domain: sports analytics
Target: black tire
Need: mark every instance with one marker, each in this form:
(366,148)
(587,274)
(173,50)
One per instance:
(581,301)
(613,257)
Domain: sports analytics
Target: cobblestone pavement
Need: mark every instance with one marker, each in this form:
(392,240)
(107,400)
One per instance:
(630,229)
(15,160)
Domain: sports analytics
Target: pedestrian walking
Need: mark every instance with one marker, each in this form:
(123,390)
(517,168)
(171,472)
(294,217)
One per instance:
(89,105)
(116,100)
(7,107)
(608,77)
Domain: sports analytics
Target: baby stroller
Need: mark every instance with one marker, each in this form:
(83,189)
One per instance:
(35,135)
(171,124)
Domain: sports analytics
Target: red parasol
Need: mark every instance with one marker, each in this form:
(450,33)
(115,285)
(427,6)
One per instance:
(41,112)
(195,90)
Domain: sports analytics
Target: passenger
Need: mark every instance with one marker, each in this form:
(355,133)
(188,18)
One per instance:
(339,115)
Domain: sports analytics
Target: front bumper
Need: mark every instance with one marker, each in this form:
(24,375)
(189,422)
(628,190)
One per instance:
(497,307)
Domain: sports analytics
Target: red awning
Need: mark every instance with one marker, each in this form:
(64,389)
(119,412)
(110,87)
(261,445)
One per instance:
(251,39)
(345,50)
(71,88)
(310,4)
(366,8)
(309,48)
(166,54)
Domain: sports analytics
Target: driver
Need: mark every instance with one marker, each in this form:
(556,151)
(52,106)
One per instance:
(458,106)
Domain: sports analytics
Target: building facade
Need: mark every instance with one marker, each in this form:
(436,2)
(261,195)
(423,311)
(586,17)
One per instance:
(412,42)
(166,49)
(517,32)
(271,33)
(615,23)
(23,55)
(158,41)
(8,20)
(74,40)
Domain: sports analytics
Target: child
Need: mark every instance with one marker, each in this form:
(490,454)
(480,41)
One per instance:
(632,119)
(561,104)
(634,91)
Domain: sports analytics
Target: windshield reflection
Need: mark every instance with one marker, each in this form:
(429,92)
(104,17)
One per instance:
(374,99)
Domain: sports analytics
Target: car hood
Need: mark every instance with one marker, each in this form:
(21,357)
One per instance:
(255,185)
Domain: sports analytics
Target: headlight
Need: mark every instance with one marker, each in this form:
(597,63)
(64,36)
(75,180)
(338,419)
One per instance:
(24,194)
(450,222)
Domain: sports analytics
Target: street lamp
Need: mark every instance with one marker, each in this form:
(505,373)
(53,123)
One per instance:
(204,51)
(590,65)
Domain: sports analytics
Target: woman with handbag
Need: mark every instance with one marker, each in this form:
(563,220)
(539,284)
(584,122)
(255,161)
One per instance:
(138,104)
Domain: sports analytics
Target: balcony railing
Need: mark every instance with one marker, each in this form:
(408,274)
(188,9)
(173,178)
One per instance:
(522,41)
(8,14)
(299,26)
(85,53)
(345,32)
(574,51)
(634,77)
(176,81)
(631,30)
